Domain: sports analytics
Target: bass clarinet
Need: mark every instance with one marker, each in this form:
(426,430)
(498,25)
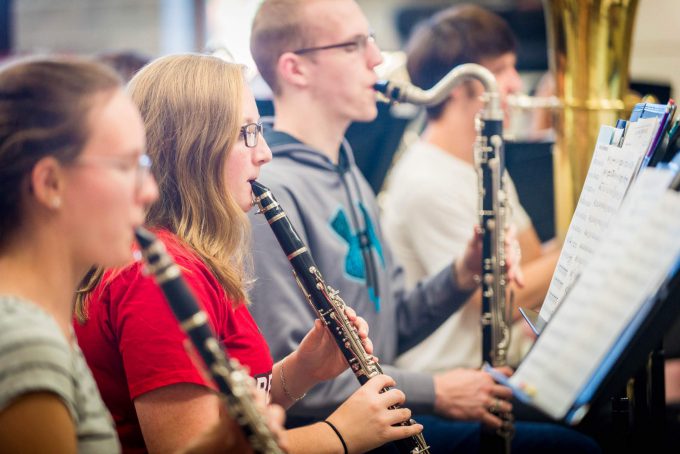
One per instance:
(327,304)
(232,381)
(493,206)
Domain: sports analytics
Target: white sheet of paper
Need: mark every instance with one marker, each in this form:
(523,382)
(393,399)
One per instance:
(611,171)
(629,264)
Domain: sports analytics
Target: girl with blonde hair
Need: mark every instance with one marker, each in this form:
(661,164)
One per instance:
(204,139)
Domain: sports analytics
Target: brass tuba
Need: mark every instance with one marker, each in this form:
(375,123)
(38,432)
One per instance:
(589,45)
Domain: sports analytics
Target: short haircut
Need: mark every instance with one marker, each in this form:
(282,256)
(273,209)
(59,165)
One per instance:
(456,35)
(279,26)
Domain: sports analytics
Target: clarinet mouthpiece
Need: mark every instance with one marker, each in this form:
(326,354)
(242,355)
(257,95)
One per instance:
(144,237)
(258,189)
(390,91)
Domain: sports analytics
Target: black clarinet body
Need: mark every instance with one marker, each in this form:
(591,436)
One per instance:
(493,207)
(231,379)
(327,304)
(490,162)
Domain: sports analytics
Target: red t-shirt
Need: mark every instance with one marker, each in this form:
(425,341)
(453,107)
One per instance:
(133,343)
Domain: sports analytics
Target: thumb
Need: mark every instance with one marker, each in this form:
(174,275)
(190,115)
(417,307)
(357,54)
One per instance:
(318,330)
(314,335)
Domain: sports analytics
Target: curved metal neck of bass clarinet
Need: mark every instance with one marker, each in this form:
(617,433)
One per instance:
(407,93)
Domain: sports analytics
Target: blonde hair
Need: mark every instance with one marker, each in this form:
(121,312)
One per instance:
(191,107)
(279,26)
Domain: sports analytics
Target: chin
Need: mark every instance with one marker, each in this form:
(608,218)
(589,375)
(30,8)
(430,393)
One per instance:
(246,205)
(122,255)
(368,115)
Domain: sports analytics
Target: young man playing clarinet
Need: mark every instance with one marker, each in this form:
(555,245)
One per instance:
(431,202)
(318,57)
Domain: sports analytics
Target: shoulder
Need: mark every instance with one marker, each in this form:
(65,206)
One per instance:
(425,175)
(133,293)
(178,249)
(193,268)
(22,320)
(198,275)
(34,353)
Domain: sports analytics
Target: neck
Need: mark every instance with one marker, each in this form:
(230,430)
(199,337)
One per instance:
(455,136)
(313,125)
(36,267)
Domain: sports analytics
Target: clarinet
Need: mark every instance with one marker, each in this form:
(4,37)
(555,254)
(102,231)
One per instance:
(493,213)
(493,206)
(232,381)
(326,302)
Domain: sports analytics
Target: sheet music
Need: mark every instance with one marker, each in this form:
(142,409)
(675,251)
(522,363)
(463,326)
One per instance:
(630,263)
(611,171)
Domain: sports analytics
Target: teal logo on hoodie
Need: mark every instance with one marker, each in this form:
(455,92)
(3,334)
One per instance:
(354,262)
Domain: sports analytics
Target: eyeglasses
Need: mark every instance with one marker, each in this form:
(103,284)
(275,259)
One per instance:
(125,164)
(358,43)
(250,133)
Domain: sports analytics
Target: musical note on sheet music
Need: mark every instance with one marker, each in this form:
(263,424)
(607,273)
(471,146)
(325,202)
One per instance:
(630,263)
(611,171)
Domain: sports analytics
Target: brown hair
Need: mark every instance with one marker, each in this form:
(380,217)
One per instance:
(279,26)
(44,105)
(191,107)
(456,35)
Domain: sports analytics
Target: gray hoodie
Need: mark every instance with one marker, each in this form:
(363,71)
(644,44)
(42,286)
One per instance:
(328,204)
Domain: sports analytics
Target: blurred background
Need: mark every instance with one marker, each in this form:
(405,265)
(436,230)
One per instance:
(127,33)
(157,27)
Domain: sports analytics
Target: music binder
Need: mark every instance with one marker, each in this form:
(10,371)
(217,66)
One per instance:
(669,146)
(615,313)
(665,115)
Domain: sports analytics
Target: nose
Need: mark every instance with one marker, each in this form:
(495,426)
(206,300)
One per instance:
(373,54)
(263,154)
(148,191)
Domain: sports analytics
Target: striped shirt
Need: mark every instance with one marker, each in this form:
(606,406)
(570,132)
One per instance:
(35,356)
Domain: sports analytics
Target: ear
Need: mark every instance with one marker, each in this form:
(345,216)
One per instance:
(293,69)
(468,91)
(47,182)
(459,92)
